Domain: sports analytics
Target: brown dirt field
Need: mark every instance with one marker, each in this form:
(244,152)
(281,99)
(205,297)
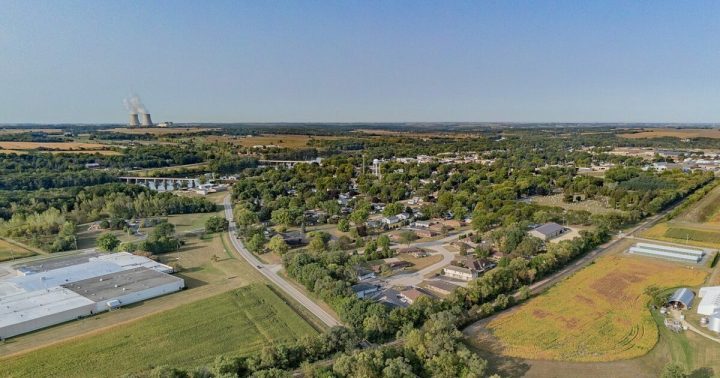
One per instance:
(677,133)
(90,152)
(203,276)
(51,146)
(160,130)
(12,152)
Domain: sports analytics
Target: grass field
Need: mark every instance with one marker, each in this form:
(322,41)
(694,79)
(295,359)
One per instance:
(677,133)
(598,314)
(684,235)
(591,205)
(9,251)
(280,140)
(238,322)
(65,146)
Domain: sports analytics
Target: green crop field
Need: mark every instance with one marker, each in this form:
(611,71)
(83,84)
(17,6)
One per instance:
(695,235)
(238,322)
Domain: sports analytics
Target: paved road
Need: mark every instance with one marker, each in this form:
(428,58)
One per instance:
(270,272)
(414,278)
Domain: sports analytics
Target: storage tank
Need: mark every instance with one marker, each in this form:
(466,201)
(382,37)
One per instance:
(714,323)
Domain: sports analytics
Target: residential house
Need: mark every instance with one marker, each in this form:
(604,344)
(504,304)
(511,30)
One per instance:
(548,231)
(364,290)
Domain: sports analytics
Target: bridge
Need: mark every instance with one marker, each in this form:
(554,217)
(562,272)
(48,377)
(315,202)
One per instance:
(162,184)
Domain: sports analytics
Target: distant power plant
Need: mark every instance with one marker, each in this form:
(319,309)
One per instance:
(134,105)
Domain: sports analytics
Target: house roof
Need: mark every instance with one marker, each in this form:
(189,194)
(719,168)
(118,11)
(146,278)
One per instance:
(413,294)
(363,287)
(442,285)
(458,269)
(549,229)
(684,296)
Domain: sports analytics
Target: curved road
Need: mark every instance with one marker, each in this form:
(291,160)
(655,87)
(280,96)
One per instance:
(270,272)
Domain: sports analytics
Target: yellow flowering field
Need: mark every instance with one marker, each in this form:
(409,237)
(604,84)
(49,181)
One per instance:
(598,314)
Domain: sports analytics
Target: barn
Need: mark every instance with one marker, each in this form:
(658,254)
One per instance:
(682,298)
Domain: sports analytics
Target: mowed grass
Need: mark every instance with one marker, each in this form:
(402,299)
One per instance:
(238,322)
(9,251)
(683,235)
(598,314)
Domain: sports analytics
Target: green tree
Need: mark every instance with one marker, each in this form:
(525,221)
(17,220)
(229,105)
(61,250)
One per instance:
(407,236)
(673,370)
(256,242)
(277,244)
(343,225)
(216,224)
(107,242)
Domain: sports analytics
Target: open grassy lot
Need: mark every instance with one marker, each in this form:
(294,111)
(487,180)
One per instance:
(598,314)
(591,205)
(707,210)
(677,133)
(238,322)
(10,251)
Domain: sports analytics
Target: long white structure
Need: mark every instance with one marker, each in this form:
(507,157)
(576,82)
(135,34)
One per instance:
(667,252)
(54,291)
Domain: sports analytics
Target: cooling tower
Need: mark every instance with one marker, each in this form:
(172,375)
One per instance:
(134,122)
(146,120)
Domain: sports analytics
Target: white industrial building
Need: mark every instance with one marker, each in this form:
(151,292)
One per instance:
(668,252)
(54,291)
(710,300)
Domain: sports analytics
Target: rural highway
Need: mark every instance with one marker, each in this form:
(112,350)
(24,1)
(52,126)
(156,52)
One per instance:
(270,272)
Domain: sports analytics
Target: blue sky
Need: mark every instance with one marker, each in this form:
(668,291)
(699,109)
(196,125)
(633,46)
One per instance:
(361,61)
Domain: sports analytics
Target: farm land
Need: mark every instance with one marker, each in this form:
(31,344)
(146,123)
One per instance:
(10,251)
(599,314)
(698,226)
(235,323)
(676,133)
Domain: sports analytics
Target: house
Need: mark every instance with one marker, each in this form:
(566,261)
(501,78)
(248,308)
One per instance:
(397,265)
(364,274)
(412,295)
(471,268)
(374,223)
(363,290)
(459,272)
(548,231)
(392,221)
(425,233)
(442,287)
(391,298)
(414,251)
(422,224)
(294,238)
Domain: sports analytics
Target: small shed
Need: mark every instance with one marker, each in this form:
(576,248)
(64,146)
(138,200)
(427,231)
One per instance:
(682,298)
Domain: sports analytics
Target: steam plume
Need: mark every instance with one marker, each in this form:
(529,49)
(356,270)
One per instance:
(134,105)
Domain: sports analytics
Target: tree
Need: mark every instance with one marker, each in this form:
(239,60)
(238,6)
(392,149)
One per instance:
(673,370)
(245,218)
(277,244)
(256,242)
(216,224)
(407,236)
(343,225)
(317,244)
(107,242)
(282,217)
(383,241)
(359,216)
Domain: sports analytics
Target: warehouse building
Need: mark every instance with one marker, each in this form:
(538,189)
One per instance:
(668,252)
(54,291)
(710,300)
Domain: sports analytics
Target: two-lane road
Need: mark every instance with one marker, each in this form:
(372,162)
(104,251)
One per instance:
(270,272)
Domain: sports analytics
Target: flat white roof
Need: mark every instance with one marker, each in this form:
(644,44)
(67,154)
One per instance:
(130,261)
(68,274)
(27,306)
(667,248)
(665,254)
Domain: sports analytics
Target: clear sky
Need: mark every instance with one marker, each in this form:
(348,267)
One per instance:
(361,61)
